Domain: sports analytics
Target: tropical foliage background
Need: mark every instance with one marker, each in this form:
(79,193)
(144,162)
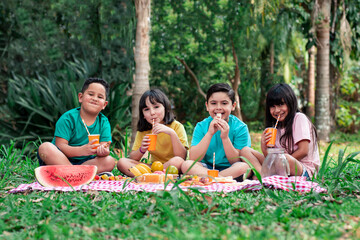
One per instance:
(48,48)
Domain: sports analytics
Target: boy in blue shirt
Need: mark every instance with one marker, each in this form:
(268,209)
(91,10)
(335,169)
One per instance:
(221,133)
(71,144)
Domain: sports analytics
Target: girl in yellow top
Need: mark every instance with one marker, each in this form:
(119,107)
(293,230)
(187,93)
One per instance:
(171,144)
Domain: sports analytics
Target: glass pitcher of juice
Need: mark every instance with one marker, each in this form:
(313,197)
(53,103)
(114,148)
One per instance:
(275,163)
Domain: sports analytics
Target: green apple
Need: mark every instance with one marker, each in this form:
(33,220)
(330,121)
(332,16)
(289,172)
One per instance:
(172,170)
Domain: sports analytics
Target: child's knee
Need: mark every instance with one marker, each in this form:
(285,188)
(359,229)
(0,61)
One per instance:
(46,147)
(121,164)
(186,165)
(109,163)
(48,150)
(241,165)
(178,161)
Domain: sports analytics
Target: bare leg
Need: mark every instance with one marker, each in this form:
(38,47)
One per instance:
(51,155)
(236,170)
(124,164)
(175,161)
(104,164)
(296,167)
(253,156)
(196,169)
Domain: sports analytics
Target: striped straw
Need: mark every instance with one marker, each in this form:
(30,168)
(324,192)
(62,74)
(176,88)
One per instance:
(85,126)
(153,123)
(277,122)
(214,161)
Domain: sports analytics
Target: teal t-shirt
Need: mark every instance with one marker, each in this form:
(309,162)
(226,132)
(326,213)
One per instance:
(70,127)
(238,134)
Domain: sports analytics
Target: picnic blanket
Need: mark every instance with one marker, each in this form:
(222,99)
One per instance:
(298,184)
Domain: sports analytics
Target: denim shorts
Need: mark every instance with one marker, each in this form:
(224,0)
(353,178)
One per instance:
(74,162)
(305,173)
(210,167)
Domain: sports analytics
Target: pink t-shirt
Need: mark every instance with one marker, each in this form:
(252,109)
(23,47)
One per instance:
(302,131)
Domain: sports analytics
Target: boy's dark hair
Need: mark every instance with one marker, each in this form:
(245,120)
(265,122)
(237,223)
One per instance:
(96,80)
(155,96)
(282,93)
(221,87)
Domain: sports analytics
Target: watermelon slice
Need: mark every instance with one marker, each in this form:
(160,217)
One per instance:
(65,175)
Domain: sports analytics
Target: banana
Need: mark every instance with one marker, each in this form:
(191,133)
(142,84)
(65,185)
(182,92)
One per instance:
(135,171)
(143,168)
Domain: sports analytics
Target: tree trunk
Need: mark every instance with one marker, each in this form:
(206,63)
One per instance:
(311,83)
(272,57)
(141,55)
(267,59)
(322,99)
(235,82)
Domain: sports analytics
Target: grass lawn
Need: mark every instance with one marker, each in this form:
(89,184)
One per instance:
(266,214)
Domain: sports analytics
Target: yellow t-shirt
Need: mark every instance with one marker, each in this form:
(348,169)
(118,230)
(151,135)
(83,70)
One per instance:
(164,149)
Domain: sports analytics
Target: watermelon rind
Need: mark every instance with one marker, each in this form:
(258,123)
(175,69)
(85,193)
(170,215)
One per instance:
(65,175)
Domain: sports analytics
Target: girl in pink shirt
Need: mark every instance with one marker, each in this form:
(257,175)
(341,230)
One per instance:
(296,134)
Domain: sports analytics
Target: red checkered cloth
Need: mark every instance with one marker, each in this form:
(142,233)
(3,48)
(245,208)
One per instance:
(293,183)
(121,186)
(298,184)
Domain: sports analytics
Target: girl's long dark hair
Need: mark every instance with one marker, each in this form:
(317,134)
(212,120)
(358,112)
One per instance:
(155,96)
(283,94)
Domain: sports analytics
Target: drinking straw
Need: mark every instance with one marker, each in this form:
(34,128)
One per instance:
(214,161)
(85,126)
(153,123)
(277,121)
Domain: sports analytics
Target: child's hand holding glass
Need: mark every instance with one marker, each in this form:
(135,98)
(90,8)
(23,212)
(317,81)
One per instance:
(90,148)
(265,137)
(145,144)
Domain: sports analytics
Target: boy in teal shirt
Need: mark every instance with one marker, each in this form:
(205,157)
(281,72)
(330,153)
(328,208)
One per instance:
(221,133)
(71,144)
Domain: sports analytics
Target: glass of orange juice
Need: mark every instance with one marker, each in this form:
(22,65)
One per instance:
(271,142)
(153,138)
(213,173)
(94,136)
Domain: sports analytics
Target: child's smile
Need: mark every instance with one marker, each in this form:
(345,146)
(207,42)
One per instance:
(220,103)
(279,110)
(93,100)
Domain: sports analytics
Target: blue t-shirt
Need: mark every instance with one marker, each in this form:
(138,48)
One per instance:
(70,127)
(238,135)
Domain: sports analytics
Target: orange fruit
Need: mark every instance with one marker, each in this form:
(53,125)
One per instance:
(157,166)
(172,170)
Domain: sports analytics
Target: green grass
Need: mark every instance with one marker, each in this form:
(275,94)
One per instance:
(266,214)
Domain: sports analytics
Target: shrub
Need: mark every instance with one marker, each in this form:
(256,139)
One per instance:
(34,104)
